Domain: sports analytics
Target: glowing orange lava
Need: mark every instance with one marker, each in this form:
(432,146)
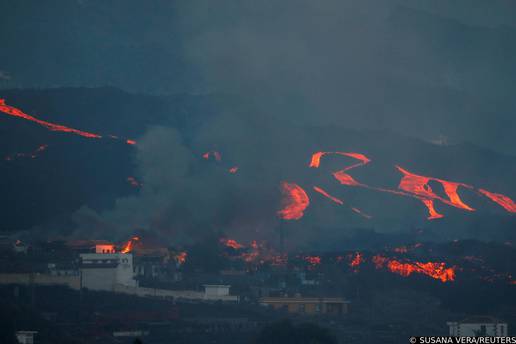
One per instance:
(418,185)
(435,270)
(504,201)
(231,243)
(327,195)
(12,111)
(356,260)
(295,201)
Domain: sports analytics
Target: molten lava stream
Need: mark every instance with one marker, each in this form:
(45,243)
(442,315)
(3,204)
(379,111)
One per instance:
(295,201)
(12,111)
(436,270)
(504,201)
(340,202)
(231,243)
(327,195)
(418,185)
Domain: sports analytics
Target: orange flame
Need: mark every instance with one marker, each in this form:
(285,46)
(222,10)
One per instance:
(231,243)
(295,201)
(435,270)
(356,260)
(128,247)
(181,258)
(233,170)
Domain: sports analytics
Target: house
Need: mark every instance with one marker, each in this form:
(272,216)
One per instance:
(478,326)
(308,305)
(104,271)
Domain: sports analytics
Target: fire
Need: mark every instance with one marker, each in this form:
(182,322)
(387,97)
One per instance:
(12,111)
(233,170)
(313,260)
(436,270)
(128,247)
(231,243)
(507,203)
(356,260)
(295,201)
(181,257)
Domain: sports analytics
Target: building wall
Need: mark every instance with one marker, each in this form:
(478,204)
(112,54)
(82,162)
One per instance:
(73,282)
(99,278)
(104,271)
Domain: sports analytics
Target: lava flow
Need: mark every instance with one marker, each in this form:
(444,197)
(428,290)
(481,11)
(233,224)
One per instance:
(231,243)
(338,201)
(295,201)
(356,260)
(411,185)
(12,111)
(418,185)
(504,201)
(436,270)
(327,195)
(128,247)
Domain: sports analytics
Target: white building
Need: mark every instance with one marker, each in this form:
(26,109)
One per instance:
(478,326)
(25,337)
(104,271)
(219,292)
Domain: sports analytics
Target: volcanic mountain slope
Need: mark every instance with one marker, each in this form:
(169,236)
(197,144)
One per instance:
(48,175)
